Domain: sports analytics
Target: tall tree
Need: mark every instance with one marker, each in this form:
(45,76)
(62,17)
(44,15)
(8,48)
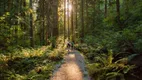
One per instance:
(105,8)
(55,23)
(23,23)
(86,5)
(68,22)
(43,22)
(118,12)
(64,19)
(76,19)
(72,23)
(82,20)
(31,25)
(47,12)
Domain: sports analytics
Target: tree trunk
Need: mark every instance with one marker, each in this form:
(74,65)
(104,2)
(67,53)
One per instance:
(82,20)
(24,24)
(105,8)
(76,26)
(118,8)
(86,18)
(47,24)
(43,23)
(72,24)
(68,20)
(31,27)
(55,27)
(55,23)
(118,13)
(64,19)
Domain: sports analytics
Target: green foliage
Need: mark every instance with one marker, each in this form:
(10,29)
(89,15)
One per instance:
(31,64)
(89,40)
(56,55)
(103,67)
(4,32)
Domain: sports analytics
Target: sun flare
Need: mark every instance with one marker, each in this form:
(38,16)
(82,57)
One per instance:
(68,8)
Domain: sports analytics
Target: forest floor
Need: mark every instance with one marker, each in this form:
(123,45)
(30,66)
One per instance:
(73,68)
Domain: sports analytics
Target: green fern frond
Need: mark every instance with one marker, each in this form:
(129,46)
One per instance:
(113,75)
(110,57)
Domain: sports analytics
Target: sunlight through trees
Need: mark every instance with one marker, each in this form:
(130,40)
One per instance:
(100,29)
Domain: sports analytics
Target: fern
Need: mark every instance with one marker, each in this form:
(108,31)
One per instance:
(113,75)
(105,69)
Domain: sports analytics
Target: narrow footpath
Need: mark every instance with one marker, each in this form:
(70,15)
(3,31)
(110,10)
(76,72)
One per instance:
(72,69)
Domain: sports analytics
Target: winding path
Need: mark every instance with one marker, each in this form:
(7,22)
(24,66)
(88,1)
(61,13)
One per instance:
(72,69)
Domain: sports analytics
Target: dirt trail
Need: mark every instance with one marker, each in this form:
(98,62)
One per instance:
(72,69)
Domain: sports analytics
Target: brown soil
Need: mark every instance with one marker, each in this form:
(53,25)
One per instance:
(72,69)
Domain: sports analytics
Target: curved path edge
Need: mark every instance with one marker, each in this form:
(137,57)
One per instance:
(73,68)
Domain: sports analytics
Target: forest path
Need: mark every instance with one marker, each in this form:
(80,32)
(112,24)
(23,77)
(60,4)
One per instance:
(72,69)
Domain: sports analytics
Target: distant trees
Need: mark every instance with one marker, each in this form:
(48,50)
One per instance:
(48,10)
(13,18)
(99,18)
(71,18)
(29,23)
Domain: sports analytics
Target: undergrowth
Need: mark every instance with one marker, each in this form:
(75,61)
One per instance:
(30,64)
(102,65)
(104,68)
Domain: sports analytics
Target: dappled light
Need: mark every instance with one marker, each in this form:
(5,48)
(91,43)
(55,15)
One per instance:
(68,7)
(70,70)
(70,39)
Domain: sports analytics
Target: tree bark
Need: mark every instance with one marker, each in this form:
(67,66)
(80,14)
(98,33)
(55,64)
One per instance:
(82,20)
(118,8)
(47,22)
(55,23)
(68,19)
(76,21)
(118,13)
(86,17)
(105,8)
(31,27)
(72,24)
(64,20)
(43,23)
